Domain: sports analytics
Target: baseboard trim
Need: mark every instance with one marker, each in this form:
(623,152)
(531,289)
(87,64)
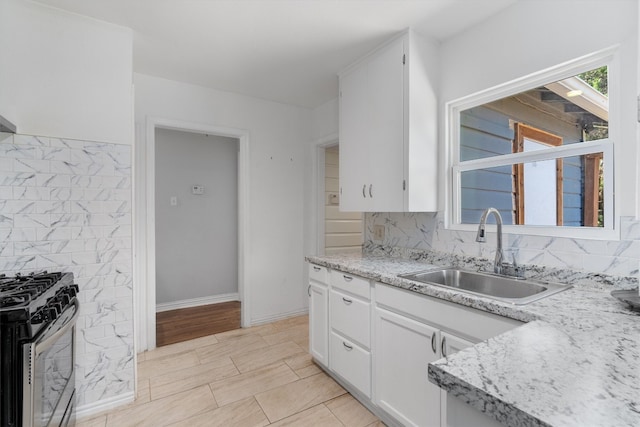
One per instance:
(95,408)
(195,302)
(276,317)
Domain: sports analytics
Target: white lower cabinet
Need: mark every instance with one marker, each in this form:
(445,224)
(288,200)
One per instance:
(318,315)
(351,362)
(378,341)
(403,351)
(410,331)
(318,323)
(350,325)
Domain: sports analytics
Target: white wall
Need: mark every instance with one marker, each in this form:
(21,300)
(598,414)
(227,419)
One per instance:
(531,36)
(65,75)
(324,120)
(279,134)
(199,235)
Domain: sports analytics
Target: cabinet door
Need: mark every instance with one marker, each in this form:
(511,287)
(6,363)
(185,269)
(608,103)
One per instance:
(319,323)
(449,345)
(354,130)
(386,115)
(403,350)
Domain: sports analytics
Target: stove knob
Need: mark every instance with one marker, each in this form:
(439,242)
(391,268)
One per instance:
(52,314)
(56,307)
(63,298)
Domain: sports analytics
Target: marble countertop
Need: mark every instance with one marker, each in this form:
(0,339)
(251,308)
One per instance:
(575,363)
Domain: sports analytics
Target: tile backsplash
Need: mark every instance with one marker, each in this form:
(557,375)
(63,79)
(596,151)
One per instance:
(426,231)
(65,205)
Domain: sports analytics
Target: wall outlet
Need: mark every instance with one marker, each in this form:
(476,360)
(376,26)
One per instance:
(378,232)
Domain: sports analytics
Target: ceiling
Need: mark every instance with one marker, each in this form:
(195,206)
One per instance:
(282,50)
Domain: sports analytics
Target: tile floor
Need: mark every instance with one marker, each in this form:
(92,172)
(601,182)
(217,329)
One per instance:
(258,376)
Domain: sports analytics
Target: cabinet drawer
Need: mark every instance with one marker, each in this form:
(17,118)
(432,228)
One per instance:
(349,283)
(351,362)
(351,317)
(318,273)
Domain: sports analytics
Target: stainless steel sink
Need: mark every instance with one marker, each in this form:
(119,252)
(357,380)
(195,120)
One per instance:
(509,289)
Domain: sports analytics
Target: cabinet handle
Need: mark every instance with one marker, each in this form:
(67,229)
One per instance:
(309,291)
(433,342)
(346,301)
(370,190)
(347,346)
(443,346)
(363,193)
(316,268)
(347,278)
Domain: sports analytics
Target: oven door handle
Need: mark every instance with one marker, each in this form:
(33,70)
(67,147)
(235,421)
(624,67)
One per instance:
(47,341)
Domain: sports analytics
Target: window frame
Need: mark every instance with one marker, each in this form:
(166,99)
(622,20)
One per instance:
(455,167)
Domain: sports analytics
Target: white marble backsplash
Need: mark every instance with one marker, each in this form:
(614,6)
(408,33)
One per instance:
(65,205)
(426,231)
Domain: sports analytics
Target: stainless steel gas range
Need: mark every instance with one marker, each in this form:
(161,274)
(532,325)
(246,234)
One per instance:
(38,313)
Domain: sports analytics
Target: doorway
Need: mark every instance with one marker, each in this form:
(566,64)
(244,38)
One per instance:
(343,231)
(146,295)
(196,234)
(538,186)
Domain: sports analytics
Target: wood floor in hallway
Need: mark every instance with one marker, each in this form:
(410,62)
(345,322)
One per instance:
(256,376)
(185,324)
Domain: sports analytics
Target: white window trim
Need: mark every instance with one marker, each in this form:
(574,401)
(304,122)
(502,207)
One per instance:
(611,231)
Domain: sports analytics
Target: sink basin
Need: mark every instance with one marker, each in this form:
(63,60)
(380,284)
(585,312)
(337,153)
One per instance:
(503,288)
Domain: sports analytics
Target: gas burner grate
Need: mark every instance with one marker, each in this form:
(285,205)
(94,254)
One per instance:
(14,300)
(20,290)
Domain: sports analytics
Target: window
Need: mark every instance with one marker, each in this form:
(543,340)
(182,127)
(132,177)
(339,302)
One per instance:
(538,150)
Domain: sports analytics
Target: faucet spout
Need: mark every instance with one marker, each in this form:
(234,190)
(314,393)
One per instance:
(481,236)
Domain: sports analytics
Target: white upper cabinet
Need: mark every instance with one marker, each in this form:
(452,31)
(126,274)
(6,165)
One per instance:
(388,129)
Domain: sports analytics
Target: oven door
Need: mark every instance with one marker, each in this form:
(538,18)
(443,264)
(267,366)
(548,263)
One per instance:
(49,379)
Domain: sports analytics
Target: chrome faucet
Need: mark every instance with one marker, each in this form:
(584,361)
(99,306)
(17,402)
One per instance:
(481,237)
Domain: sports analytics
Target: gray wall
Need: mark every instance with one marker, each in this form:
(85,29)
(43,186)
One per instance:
(484,133)
(196,241)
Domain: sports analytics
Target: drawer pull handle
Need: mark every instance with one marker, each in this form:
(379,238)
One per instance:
(309,291)
(346,301)
(443,347)
(370,190)
(347,346)
(316,268)
(347,278)
(363,189)
(433,342)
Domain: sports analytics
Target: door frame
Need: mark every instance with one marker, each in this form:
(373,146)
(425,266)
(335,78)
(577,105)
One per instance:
(319,148)
(522,132)
(147,301)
